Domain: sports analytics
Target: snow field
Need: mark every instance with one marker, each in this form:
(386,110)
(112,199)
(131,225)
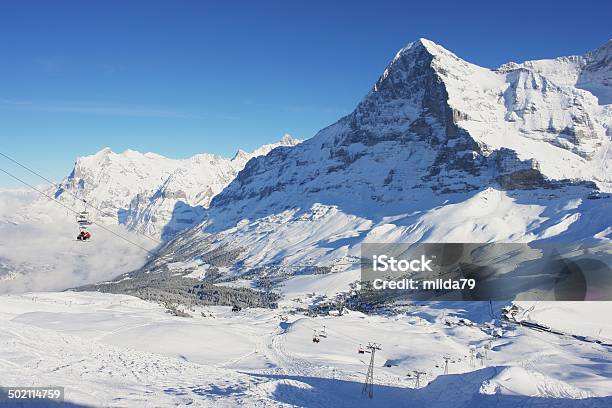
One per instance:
(115,350)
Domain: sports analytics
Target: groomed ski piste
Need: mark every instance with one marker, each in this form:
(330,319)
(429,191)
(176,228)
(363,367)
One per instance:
(120,351)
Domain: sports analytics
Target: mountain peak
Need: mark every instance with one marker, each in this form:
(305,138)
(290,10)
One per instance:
(288,140)
(240,154)
(422,44)
(428,44)
(98,157)
(104,152)
(414,60)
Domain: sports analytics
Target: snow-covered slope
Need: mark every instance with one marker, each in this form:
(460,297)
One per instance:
(150,193)
(117,350)
(590,72)
(439,150)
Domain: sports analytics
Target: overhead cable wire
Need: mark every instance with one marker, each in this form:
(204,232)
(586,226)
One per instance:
(75,211)
(71,193)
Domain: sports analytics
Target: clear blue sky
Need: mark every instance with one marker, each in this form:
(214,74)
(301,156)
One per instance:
(182,77)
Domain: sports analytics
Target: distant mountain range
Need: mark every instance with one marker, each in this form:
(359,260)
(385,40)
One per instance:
(149,193)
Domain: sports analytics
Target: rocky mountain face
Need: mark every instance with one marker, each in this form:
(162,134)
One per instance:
(149,193)
(433,121)
(439,150)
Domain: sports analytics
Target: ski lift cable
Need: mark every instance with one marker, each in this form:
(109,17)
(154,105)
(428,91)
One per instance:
(75,211)
(351,339)
(338,334)
(71,193)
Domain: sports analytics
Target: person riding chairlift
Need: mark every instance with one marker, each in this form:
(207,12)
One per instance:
(84,236)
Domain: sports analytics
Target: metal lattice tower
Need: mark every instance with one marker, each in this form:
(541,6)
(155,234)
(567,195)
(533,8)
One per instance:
(446,358)
(368,385)
(418,378)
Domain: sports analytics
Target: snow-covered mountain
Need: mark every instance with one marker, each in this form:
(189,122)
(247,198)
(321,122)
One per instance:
(144,193)
(439,150)
(149,193)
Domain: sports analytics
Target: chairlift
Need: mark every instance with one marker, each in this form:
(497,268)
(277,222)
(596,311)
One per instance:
(360,350)
(83,220)
(83,216)
(84,235)
(323,333)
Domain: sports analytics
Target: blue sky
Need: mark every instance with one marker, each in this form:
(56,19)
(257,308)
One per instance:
(183,77)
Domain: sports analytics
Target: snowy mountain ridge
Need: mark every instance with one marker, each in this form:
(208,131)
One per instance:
(150,193)
(439,150)
(589,72)
(135,192)
(478,121)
